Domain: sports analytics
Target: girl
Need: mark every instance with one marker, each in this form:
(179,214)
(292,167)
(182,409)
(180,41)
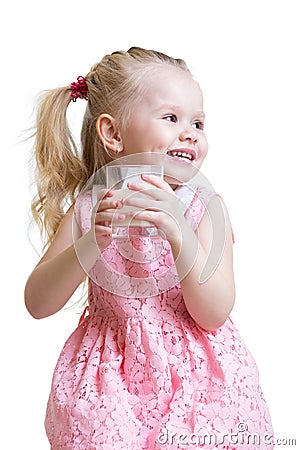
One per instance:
(146,369)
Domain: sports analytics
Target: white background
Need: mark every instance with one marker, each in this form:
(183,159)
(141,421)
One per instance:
(245,54)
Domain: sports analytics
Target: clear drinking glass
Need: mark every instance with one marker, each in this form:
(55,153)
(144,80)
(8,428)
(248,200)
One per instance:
(117,177)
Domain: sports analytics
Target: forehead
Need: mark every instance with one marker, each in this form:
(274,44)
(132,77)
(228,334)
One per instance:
(171,85)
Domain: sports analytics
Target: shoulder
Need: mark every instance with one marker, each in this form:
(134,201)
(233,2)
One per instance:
(207,209)
(216,237)
(196,199)
(215,227)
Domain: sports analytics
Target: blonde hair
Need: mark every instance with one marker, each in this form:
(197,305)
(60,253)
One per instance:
(114,86)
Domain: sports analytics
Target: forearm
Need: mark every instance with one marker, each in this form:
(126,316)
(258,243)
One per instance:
(210,302)
(52,282)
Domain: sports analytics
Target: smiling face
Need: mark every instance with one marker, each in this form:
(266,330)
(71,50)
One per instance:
(168,118)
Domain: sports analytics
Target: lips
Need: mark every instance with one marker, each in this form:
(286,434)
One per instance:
(184,154)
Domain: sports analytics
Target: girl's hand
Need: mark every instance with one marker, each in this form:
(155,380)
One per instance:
(103,214)
(159,206)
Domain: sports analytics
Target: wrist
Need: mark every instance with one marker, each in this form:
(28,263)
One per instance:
(180,236)
(186,249)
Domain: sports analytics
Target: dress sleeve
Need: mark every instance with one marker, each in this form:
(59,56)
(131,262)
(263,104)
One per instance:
(198,205)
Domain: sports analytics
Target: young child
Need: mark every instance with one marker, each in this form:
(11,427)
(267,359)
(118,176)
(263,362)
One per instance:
(152,366)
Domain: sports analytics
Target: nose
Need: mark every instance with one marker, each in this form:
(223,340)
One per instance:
(188,133)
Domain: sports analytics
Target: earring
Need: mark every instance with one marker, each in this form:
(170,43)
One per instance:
(118,148)
(112,153)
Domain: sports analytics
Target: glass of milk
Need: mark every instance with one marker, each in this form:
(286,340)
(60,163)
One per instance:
(117,177)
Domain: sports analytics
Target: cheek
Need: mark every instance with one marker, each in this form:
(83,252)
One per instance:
(156,139)
(132,141)
(163,139)
(147,136)
(203,145)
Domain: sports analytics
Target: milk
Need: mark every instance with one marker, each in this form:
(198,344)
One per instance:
(120,194)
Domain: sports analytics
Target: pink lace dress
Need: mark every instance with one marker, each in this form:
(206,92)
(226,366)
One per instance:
(139,374)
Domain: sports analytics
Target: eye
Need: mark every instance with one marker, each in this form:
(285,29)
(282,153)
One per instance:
(171,118)
(198,124)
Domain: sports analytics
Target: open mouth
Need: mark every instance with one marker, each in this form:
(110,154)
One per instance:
(183,155)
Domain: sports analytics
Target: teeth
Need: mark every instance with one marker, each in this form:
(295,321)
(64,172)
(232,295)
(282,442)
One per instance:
(182,155)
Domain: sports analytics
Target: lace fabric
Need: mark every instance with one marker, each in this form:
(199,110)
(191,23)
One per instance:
(139,374)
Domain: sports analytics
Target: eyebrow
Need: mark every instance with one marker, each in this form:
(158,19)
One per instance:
(175,107)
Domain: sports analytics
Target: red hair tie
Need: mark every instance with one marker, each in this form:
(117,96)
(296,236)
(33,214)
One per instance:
(79,89)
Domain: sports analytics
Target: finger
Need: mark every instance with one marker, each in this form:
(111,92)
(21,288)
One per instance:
(103,193)
(148,215)
(146,197)
(101,197)
(149,190)
(157,182)
(103,230)
(160,221)
(142,202)
(108,204)
(151,185)
(108,216)
(140,185)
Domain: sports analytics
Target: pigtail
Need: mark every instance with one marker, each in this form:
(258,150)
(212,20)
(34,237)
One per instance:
(58,166)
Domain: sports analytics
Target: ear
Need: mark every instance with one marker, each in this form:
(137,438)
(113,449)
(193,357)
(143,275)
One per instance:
(108,132)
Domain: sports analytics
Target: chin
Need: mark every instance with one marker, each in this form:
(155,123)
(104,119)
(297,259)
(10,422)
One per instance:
(180,172)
